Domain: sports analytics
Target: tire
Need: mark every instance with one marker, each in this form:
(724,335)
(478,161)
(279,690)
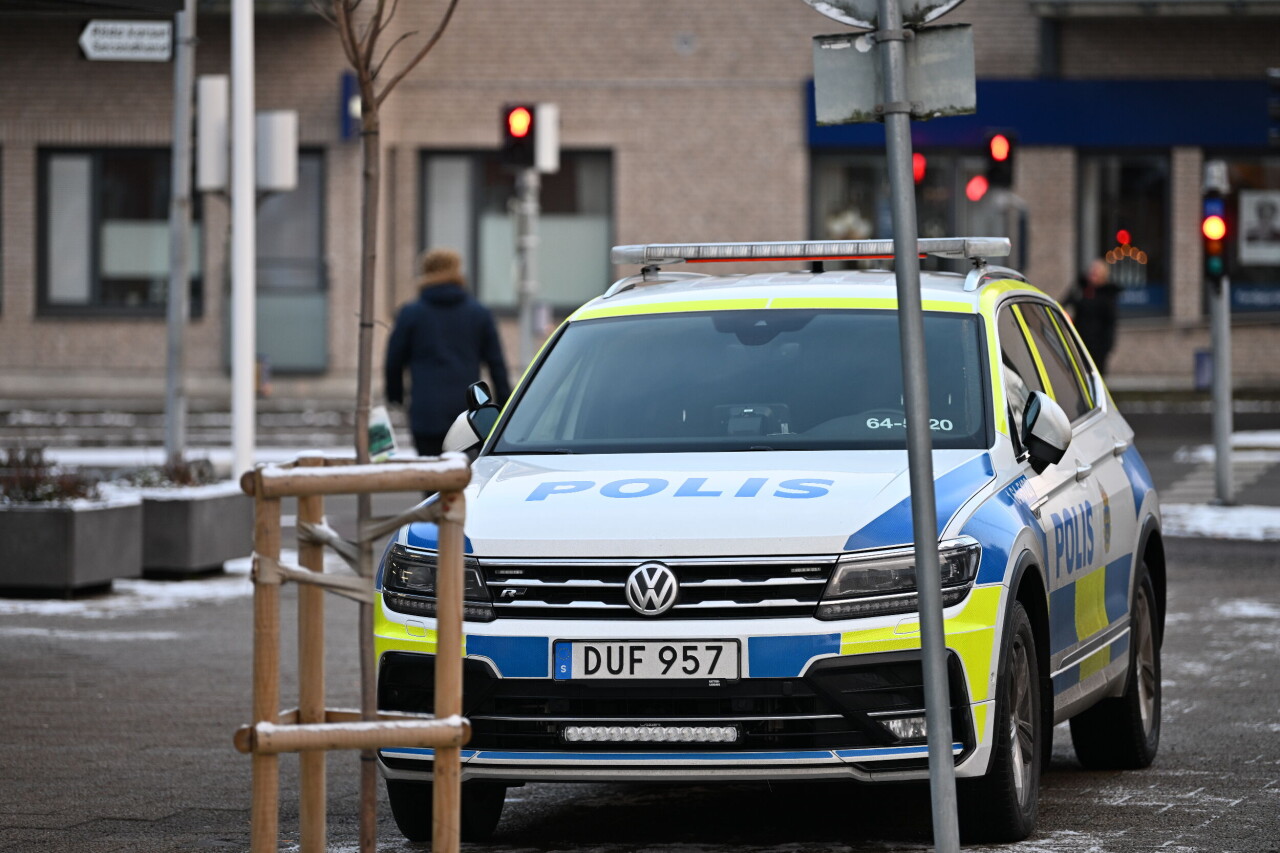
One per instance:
(411,806)
(1002,806)
(1123,733)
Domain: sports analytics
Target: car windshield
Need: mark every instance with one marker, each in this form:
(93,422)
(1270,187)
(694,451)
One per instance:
(745,380)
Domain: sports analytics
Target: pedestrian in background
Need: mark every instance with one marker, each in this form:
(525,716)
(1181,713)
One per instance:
(1092,304)
(442,338)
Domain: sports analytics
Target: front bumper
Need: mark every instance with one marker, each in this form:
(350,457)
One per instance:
(808,706)
(827,723)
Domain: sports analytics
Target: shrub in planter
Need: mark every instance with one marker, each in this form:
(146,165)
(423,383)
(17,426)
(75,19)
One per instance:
(58,536)
(191,522)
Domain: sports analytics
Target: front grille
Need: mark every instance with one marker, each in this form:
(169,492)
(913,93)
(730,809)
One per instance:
(710,588)
(837,705)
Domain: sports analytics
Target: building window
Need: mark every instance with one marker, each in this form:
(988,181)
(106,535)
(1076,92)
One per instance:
(292,278)
(1124,203)
(1253,255)
(850,200)
(104,233)
(466,205)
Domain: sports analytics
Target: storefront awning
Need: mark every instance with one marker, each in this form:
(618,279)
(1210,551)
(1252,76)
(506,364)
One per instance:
(1153,8)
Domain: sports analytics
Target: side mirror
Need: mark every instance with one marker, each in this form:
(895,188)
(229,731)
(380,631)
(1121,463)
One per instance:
(478,394)
(472,427)
(1046,431)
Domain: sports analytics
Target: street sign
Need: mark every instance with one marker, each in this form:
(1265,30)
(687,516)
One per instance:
(849,86)
(865,13)
(128,41)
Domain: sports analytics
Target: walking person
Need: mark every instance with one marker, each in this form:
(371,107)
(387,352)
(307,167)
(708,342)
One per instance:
(442,338)
(1092,304)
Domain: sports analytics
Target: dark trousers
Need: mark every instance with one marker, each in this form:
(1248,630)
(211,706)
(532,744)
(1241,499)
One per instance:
(428,445)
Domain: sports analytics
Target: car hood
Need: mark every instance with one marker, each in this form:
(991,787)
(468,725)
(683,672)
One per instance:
(701,504)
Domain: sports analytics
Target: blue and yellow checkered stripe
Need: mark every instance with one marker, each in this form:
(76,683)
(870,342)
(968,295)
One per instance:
(1081,610)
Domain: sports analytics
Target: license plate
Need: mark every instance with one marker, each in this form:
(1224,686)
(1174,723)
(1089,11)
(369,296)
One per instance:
(667,659)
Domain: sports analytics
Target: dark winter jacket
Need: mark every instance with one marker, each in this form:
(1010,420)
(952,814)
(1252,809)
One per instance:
(1094,313)
(442,338)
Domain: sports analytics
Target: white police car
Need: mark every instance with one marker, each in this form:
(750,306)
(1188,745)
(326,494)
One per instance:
(689,544)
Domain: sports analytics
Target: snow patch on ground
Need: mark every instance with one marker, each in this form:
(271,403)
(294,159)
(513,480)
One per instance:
(1259,446)
(1246,608)
(137,596)
(1255,523)
(90,636)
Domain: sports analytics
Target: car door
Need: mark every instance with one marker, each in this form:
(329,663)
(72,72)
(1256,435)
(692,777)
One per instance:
(1091,543)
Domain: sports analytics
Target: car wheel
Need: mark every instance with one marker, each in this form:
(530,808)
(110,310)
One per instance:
(411,806)
(1123,733)
(1002,806)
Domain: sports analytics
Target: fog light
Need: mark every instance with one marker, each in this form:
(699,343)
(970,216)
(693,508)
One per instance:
(650,734)
(907,728)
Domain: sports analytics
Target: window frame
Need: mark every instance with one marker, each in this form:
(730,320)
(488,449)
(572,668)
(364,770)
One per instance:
(1058,323)
(1020,332)
(963,216)
(94,308)
(1083,258)
(478,159)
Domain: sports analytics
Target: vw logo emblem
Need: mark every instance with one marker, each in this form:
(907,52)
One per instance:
(651,589)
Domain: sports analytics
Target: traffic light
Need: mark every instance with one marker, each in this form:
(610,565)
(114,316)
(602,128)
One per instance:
(1001,145)
(519,135)
(531,137)
(1213,227)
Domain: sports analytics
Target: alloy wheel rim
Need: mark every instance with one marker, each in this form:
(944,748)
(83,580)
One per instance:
(1146,661)
(1021,722)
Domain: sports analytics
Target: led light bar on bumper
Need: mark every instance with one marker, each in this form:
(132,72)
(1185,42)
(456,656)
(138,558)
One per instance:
(651,734)
(409,584)
(881,583)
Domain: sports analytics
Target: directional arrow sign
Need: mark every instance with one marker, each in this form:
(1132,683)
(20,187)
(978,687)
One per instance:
(848,86)
(128,41)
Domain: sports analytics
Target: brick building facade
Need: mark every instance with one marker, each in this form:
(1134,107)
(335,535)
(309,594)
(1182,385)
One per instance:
(680,121)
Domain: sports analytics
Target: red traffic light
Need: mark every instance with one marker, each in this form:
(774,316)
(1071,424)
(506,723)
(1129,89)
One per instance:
(919,163)
(976,188)
(519,120)
(1214,227)
(999,147)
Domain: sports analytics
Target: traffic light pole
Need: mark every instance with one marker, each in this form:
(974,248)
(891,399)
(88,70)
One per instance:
(1215,230)
(1220,320)
(527,209)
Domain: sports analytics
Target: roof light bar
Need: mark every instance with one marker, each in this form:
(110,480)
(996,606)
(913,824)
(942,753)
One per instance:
(812,250)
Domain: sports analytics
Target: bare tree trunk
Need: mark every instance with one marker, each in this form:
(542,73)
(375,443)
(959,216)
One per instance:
(359,41)
(372,141)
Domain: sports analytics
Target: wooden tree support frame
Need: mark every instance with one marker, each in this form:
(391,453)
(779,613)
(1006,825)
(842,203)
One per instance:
(312,729)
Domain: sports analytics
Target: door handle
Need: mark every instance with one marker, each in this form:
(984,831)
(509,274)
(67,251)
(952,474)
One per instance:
(1083,471)
(1120,448)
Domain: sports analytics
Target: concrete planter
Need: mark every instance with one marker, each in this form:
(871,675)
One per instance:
(193,530)
(62,549)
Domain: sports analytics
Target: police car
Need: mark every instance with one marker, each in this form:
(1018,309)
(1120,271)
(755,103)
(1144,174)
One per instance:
(689,544)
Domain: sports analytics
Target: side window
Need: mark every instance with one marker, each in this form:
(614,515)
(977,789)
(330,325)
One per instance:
(1071,336)
(1020,374)
(1061,374)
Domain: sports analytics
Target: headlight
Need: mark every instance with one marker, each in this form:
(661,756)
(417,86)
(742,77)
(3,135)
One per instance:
(884,582)
(409,584)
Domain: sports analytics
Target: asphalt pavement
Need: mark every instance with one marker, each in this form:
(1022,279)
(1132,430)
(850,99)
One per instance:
(118,712)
